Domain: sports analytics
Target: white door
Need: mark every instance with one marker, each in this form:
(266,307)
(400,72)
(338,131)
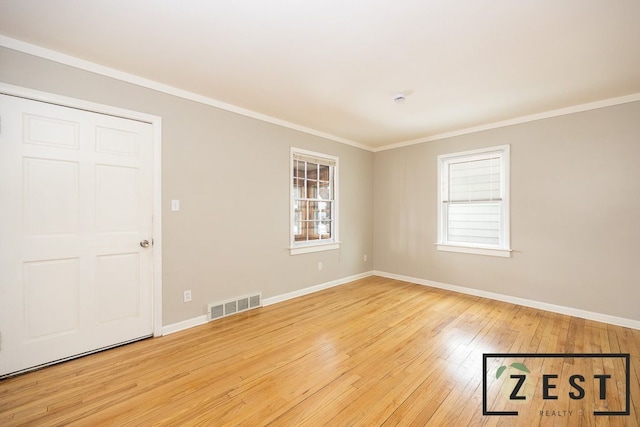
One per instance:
(75,205)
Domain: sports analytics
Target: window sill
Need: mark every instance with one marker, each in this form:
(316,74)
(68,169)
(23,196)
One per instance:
(296,250)
(477,250)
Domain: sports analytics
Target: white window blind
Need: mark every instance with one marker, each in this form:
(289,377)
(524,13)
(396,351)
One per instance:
(473,212)
(473,208)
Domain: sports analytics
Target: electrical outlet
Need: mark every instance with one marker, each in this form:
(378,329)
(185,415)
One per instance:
(365,257)
(319,266)
(187,296)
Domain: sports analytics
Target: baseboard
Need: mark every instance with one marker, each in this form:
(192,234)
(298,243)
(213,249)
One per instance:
(570,311)
(185,324)
(201,320)
(301,292)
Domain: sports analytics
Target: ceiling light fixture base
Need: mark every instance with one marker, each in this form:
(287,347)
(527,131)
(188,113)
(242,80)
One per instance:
(399,97)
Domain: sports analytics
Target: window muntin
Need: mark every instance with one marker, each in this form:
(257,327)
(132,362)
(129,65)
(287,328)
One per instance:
(473,201)
(313,200)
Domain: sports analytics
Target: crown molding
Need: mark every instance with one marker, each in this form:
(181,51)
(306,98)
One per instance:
(518,120)
(82,64)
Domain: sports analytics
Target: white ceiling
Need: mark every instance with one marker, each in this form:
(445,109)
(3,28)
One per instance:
(334,66)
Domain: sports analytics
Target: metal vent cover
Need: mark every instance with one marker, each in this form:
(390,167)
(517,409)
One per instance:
(255,301)
(232,306)
(216,311)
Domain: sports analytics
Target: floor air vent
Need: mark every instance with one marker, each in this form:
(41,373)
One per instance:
(232,306)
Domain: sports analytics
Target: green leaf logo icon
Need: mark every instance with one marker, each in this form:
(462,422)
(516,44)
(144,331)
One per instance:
(516,365)
(520,367)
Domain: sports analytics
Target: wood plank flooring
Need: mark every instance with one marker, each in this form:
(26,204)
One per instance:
(375,352)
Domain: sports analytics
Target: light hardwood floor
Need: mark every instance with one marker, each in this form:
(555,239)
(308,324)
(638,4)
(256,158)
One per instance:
(372,352)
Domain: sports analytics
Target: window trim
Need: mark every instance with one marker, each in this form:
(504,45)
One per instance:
(296,248)
(503,250)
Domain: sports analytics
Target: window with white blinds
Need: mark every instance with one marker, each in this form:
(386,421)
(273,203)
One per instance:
(473,202)
(314,198)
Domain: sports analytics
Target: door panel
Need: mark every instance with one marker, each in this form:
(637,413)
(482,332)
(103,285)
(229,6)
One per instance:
(117,199)
(117,141)
(116,277)
(50,192)
(50,131)
(46,282)
(76,197)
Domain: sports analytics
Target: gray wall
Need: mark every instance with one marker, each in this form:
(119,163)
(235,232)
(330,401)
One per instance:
(575,212)
(575,202)
(231,174)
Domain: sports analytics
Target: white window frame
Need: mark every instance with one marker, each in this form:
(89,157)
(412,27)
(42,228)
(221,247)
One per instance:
(503,249)
(296,248)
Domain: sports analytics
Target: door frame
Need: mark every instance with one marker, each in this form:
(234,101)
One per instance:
(156,123)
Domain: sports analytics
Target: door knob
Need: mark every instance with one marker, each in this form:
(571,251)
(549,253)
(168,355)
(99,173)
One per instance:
(144,243)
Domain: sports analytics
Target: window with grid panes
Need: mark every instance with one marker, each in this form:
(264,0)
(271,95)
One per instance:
(314,223)
(473,205)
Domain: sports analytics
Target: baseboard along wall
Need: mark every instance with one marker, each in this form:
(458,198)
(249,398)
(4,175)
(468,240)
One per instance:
(570,311)
(201,320)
